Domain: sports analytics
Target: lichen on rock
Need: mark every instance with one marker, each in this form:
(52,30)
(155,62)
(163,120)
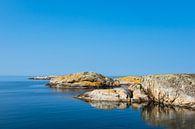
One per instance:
(171,89)
(167,89)
(129,80)
(81,80)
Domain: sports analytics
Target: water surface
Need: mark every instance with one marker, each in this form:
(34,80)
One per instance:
(28,104)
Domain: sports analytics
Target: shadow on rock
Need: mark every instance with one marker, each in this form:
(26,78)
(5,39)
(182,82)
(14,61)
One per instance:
(169,117)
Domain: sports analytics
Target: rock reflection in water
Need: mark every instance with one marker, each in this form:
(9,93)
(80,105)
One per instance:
(109,105)
(115,105)
(68,92)
(169,118)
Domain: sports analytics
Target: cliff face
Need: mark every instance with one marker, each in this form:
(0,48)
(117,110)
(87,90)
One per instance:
(171,89)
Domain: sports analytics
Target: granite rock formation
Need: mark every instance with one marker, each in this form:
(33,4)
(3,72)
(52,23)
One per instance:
(115,95)
(81,80)
(171,89)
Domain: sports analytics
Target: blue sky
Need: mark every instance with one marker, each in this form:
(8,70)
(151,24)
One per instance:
(44,37)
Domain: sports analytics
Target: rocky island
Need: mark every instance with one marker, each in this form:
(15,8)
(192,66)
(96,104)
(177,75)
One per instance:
(167,89)
(41,77)
(82,80)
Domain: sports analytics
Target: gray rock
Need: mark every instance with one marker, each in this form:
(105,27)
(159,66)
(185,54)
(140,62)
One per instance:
(171,89)
(138,94)
(116,95)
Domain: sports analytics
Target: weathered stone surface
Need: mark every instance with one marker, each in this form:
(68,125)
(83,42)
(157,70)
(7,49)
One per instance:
(138,93)
(81,80)
(167,89)
(116,94)
(171,89)
(128,80)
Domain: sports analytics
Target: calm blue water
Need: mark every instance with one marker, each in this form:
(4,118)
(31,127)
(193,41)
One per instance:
(27,104)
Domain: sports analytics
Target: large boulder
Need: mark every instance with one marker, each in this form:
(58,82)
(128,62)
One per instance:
(115,95)
(138,94)
(171,89)
(134,86)
(81,80)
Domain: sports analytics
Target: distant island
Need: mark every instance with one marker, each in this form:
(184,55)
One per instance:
(41,77)
(166,89)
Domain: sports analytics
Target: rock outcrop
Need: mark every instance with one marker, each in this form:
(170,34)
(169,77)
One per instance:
(138,94)
(115,95)
(82,80)
(171,89)
(134,86)
(167,89)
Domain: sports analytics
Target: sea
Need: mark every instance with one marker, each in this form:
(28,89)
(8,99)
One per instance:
(31,104)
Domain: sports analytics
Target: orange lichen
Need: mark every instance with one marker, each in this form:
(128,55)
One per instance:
(108,91)
(88,83)
(131,79)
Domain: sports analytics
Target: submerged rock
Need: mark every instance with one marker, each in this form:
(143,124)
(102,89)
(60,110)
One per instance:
(116,94)
(171,89)
(81,80)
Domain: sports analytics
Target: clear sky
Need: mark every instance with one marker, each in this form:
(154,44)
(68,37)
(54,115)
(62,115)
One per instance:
(113,37)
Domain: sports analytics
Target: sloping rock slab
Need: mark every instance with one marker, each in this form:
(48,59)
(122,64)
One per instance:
(115,95)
